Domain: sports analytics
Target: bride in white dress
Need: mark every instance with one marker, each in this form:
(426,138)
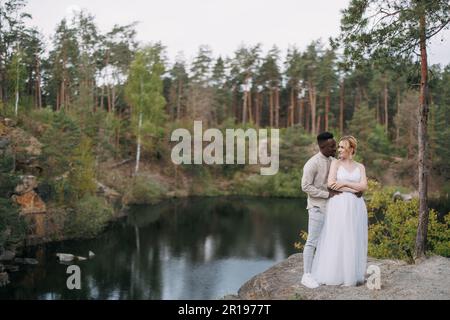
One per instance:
(341,254)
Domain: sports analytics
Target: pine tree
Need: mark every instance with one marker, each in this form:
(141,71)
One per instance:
(293,66)
(311,74)
(59,140)
(221,93)
(63,59)
(270,75)
(327,80)
(397,28)
(179,87)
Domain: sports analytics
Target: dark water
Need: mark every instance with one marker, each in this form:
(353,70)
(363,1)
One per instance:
(196,248)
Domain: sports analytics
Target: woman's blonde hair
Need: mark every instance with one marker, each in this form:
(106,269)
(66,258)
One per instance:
(350,142)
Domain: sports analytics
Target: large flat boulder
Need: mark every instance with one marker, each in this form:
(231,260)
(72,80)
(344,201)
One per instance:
(428,280)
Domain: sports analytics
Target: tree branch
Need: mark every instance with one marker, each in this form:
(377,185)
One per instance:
(438,30)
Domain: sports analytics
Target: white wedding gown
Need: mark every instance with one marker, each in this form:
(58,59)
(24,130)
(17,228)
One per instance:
(341,254)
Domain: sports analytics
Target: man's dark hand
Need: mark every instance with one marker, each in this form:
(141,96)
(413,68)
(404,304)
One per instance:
(333,193)
(359,194)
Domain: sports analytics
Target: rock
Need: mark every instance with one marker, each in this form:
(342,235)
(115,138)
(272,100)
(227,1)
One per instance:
(106,191)
(30,203)
(29,164)
(4,143)
(427,280)
(7,255)
(11,268)
(4,279)
(91,254)
(26,143)
(45,191)
(3,128)
(2,268)
(230,297)
(65,257)
(405,197)
(27,198)
(9,122)
(27,184)
(26,261)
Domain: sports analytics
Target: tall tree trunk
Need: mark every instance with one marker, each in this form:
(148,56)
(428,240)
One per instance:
(290,121)
(67,95)
(234,102)
(57,100)
(302,113)
(312,103)
(108,94)
(327,109)
(308,117)
(62,98)
(117,138)
(397,137)
(179,99)
(138,152)
(319,119)
(257,111)
(244,107)
(271,107)
(38,92)
(365,95)
(386,114)
(277,107)
(250,106)
(377,109)
(2,77)
(102,98)
(16,107)
(113,98)
(341,107)
(422,227)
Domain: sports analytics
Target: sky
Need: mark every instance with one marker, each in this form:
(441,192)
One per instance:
(184,25)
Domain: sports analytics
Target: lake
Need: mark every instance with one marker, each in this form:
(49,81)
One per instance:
(193,248)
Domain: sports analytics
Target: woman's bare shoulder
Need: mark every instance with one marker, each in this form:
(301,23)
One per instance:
(335,162)
(359,164)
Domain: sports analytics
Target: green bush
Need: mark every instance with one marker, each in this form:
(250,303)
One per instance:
(60,142)
(393,227)
(144,190)
(82,175)
(280,185)
(88,218)
(12,225)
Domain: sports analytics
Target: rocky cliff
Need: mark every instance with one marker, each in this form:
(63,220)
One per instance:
(429,279)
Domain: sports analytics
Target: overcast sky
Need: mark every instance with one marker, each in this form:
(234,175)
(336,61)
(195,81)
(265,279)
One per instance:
(183,25)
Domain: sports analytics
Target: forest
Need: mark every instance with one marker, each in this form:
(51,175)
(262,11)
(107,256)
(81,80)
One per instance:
(103,106)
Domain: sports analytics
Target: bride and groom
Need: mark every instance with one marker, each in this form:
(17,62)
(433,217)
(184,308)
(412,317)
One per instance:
(337,225)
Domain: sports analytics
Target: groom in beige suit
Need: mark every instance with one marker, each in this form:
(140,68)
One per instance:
(314,183)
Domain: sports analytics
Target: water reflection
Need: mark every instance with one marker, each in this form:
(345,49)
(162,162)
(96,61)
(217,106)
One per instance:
(196,248)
